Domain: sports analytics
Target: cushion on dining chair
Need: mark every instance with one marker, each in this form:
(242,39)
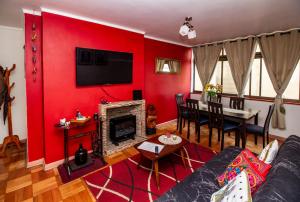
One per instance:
(230,126)
(203,120)
(252,128)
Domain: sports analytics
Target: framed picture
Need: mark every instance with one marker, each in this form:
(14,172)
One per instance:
(167,66)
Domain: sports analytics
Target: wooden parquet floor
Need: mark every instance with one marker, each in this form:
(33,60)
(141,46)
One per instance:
(17,183)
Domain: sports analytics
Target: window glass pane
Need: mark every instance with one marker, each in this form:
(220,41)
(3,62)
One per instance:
(255,75)
(247,87)
(267,89)
(228,83)
(198,84)
(257,48)
(166,68)
(216,77)
(292,90)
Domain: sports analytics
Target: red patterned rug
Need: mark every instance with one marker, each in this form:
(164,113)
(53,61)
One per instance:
(125,181)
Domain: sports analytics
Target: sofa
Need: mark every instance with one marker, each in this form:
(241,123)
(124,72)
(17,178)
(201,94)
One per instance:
(282,182)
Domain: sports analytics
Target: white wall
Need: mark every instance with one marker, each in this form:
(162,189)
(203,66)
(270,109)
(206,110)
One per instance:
(12,52)
(292,115)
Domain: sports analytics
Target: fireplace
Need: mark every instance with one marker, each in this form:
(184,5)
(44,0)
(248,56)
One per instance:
(116,110)
(122,128)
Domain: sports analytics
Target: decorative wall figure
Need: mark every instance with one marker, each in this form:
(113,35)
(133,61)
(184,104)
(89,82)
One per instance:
(151,120)
(34,37)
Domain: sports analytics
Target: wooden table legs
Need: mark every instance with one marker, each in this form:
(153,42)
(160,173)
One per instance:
(156,172)
(155,162)
(182,157)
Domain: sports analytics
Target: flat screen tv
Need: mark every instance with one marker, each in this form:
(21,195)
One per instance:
(96,67)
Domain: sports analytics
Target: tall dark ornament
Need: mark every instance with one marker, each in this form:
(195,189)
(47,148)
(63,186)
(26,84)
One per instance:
(81,155)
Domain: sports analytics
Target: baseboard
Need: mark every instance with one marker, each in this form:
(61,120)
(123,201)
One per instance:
(165,123)
(55,164)
(35,163)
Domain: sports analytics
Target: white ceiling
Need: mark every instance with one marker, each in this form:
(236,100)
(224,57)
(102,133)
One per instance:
(213,19)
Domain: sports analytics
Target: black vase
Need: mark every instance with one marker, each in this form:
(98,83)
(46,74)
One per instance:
(81,156)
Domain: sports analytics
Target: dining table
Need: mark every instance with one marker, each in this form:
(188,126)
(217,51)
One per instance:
(236,115)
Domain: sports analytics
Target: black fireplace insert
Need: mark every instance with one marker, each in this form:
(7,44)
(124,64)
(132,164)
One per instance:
(122,128)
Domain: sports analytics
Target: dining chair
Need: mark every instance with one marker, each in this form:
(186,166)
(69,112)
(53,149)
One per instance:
(216,120)
(195,116)
(259,130)
(237,103)
(181,112)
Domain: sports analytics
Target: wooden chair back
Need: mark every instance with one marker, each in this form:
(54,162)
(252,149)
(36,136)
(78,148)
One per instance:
(237,103)
(268,118)
(179,97)
(193,109)
(215,114)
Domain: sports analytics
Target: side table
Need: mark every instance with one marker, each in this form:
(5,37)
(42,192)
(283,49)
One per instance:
(96,143)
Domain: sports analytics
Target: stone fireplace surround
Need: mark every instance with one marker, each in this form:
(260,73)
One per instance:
(117,109)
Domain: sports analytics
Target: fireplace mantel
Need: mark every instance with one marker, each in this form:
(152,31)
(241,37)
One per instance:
(117,109)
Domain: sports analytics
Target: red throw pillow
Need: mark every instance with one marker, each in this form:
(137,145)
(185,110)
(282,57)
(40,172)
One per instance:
(240,163)
(260,166)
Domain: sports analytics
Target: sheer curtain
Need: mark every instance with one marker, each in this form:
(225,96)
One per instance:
(159,66)
(281,53)
(174,66)
(205,58)
(240,55)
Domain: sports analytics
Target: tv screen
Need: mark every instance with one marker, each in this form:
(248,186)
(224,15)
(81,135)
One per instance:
(95,67)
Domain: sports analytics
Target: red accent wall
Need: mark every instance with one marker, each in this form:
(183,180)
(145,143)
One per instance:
(61,96)
(160,89)
(54,95)
(34,90)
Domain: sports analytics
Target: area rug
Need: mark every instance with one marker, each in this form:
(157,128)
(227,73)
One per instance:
(125,181)
(98,163)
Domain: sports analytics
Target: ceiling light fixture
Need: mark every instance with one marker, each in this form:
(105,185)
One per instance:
(188,29)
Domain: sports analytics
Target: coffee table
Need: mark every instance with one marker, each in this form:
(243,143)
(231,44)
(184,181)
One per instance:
(167,150)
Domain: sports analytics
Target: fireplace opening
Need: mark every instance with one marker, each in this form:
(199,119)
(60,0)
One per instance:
(122,128)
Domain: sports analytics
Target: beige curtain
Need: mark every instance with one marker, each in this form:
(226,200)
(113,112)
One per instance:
(281,54)
(205,59)
(240,56)
(159,64)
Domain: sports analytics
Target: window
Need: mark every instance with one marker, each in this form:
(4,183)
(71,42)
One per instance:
(228,83)
(166,68)
(197,81)
(216,77)
(292,90)
(259,83)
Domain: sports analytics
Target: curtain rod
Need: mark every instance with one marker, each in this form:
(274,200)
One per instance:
(246,37)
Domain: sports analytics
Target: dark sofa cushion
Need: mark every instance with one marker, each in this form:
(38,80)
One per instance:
(200,185)
(283,181)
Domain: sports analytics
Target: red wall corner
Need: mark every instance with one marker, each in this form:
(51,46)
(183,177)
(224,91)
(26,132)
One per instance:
(160,89)
(34,90)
